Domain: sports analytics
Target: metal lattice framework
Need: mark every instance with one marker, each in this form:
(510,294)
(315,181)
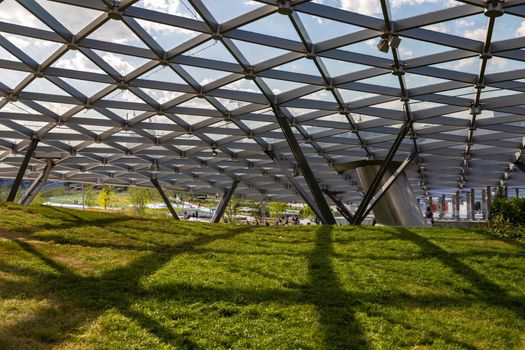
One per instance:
(466,129)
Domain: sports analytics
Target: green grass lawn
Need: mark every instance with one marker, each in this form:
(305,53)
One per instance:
(85,280)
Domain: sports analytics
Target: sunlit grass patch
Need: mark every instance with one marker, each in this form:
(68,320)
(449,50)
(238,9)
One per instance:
(82,280)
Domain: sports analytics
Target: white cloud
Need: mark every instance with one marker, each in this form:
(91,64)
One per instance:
(465,63)
(123,67)
(499,62)
(398,3)
(78,62)
(438,27)
(476,34)
(405,52)
(521,29)
(365,7)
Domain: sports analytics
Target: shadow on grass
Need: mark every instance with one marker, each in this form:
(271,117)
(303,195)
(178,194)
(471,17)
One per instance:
(79,300)
(334,305)
(486,290)
(83,299)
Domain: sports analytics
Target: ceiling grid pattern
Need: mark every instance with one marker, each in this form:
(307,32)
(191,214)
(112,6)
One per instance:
(199,113)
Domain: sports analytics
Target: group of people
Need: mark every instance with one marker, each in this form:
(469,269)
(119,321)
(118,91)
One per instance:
(287,220)
(187,215)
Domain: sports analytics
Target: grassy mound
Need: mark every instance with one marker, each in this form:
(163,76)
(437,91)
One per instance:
(83,280)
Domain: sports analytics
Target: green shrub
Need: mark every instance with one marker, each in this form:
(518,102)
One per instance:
(507,218)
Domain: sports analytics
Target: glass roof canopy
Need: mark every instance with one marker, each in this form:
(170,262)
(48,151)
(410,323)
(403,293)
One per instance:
(120,92)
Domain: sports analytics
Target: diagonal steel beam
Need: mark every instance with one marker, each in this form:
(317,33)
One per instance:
(165,198)
(341,208)
(358,217)
(293,181)
(382,191)
(224,202)
(36,186)
(20,176)
(311,181)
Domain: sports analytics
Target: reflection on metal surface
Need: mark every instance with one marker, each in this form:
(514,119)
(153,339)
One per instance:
(398,207)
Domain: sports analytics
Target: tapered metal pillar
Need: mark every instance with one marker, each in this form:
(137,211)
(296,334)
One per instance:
(326,214)
(505,192)
(484,203)
(517,192)
(457,205)
(372,189)
(442,205)
(165,198)
(221,208)
(469,205)
(36,186)
(472,212)
(20,176)
(489,201)
(341,208)
(393,216)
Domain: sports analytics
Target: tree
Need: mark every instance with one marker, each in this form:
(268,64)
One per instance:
(106,196)
(139,198)
(232,209)
(89,196)
(307,212)
(277,208)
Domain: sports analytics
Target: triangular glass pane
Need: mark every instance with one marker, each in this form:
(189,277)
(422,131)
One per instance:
(303,66)
(321,95)
(75,60)
(45,86)
(368,47)
(122,63)
(38,50)
(197,103)
(164,74)
(367,8)
(12,78)
(58,108)
(74,18)
(353,96)
(316,28)
(257,53)
(234,9)
(204,76)
(6,55)
(123,96)
(212,49)
(337,68)
(12,12)
(231,104)
(116,32)
(404,9)
(275,25)
(178,8)
(18,107)
(280,86)
(88,88)
(162,96)
(242,85)
(167,36)
(192,119)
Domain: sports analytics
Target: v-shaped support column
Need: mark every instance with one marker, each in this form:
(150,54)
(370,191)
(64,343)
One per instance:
(359,215)
(36,186)
(23,167)
(165,198)
(219,212)
(326,214)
